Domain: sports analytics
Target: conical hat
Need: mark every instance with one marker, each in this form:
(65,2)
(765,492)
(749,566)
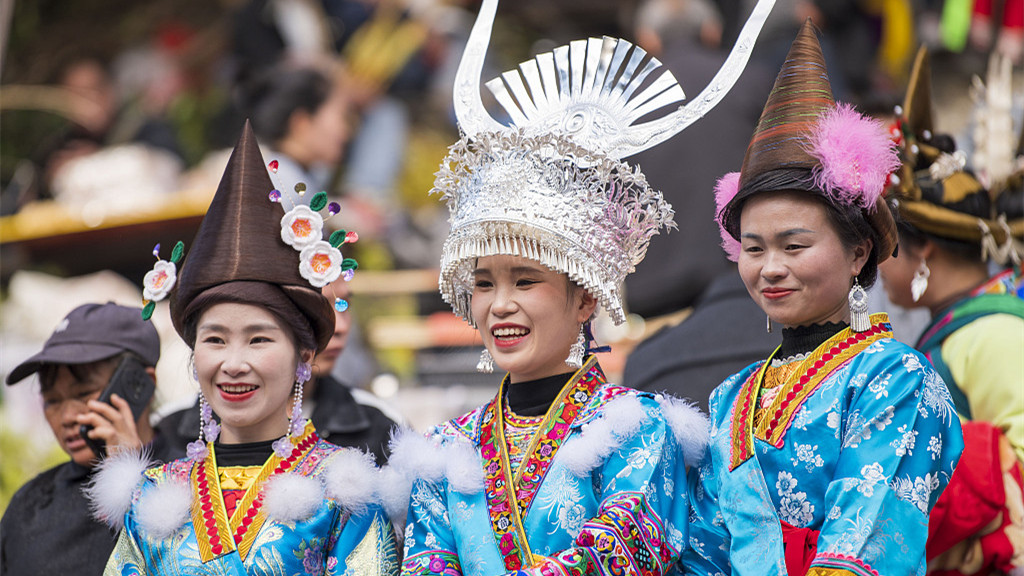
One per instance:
(801,94)
(239,241)
(917,104)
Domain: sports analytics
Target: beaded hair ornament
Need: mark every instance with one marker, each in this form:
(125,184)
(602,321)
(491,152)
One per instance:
(552,187)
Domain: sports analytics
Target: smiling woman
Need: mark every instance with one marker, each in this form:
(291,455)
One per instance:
(546,223)
(827,457)
(259,488)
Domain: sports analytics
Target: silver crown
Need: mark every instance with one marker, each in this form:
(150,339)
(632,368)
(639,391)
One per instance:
(552,187)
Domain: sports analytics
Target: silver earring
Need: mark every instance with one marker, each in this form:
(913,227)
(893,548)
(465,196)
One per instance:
(859,319)
(296,423)
(919,283)
(576,351)
(486,363)
(208,428)
(768,323)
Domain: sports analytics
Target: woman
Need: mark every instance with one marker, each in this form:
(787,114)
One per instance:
(260,492)
(946,233)
(826,457)
(562,472)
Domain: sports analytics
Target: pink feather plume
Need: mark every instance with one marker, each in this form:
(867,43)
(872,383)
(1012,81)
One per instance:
(725,190)
(856,156)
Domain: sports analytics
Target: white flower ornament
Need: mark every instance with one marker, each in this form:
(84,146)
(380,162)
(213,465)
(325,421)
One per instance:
(159,281)
(301,227)
(320,262)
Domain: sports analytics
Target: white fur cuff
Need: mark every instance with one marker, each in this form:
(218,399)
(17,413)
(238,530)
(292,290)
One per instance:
(353,480)
(164,509)
(689,425)
(112,488)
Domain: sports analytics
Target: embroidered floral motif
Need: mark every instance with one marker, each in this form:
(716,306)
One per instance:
(917,491)
(434,562)
(793,506)
(872,474)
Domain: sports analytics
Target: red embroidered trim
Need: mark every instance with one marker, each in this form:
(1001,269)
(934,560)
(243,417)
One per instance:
(216,534)
(509,496)
(826,359)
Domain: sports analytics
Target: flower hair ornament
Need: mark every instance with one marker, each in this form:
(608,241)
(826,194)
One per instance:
(159,281)
(553,187)
(320,262)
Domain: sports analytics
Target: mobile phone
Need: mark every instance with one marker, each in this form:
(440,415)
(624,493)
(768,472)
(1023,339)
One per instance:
(131,382)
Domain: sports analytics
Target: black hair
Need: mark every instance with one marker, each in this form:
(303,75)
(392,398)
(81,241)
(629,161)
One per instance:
(271,98)
(83,372)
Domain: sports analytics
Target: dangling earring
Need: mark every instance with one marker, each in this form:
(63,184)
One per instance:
(768,323)
(486,363)
(576,351)
(859,319)
(919,283)
(296,424)
(208,428)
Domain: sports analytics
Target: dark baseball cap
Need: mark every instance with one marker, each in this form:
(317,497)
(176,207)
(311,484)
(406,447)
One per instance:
(94,332)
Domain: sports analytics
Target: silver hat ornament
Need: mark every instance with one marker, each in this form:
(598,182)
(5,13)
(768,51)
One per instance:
(552,186)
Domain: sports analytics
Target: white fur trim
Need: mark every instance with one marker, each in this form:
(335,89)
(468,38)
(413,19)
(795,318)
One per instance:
(394,490)
(113,486)
(352,479)
(162,510)
(689,425)
(292,497)
(463,469)
(620,420)
(416,455)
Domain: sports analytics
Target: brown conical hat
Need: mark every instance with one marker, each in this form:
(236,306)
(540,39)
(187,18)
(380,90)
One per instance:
(238,254)
(802,92)
(917,104)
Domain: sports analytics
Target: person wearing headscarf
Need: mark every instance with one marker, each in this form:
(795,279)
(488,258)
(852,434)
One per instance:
(562,472)
(259,492)
(826,457)
(952,227)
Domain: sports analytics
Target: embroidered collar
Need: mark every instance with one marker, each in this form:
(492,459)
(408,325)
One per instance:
(509,495)
(824,360)
(219,534)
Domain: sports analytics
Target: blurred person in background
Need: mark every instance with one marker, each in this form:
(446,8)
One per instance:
(48,527)
(329,403)
(953,231)
(301,114)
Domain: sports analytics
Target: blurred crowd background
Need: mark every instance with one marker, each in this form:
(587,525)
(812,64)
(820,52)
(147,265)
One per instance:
(116,119)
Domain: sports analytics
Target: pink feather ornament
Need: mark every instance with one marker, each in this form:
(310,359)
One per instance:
(725,190)
(855,156)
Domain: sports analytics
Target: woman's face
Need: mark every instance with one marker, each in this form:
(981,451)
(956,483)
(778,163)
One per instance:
(793,263)
(896,274)
(527,315)
(245,359)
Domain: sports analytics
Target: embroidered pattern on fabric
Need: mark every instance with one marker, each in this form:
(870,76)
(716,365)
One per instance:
(439,562)
(509,496)
(626,537)
(831,564)
(827,358)
(218,534)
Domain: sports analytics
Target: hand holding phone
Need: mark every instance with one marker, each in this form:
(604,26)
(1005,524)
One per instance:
(131,382)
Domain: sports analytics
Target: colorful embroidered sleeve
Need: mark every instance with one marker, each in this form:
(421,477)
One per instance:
(429,543)
(900,442)
(365,546)
(641,524)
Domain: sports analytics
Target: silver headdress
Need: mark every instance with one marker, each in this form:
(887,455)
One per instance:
(552,186)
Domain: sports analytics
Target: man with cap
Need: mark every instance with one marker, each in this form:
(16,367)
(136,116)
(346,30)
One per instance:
(50,513)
